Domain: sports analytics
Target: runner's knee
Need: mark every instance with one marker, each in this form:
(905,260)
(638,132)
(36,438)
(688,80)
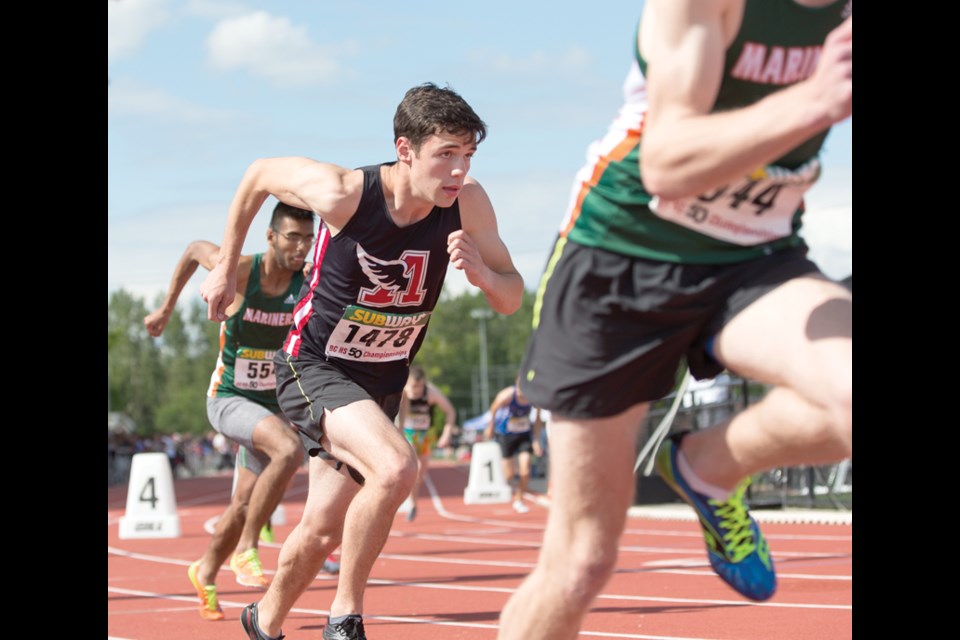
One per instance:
(587,569)
(397,473)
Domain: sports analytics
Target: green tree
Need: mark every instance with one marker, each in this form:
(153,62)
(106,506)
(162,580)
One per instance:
(134,371)
(189,353)
(451,351)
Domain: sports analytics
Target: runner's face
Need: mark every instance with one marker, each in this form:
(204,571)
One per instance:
(292,243)
(437,172)
(415,388)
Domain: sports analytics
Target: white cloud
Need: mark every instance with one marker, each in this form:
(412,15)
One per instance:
(573,59)
(129,97)
(215,9)
(271,48)
(129,22)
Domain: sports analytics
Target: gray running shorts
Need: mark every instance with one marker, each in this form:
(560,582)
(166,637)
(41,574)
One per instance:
(235,417)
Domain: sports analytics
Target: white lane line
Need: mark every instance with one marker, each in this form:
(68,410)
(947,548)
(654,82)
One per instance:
(427,585)
(411,619)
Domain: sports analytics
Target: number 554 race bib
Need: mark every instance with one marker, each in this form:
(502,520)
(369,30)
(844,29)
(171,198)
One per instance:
(756,210)
(253,369)
(374,336)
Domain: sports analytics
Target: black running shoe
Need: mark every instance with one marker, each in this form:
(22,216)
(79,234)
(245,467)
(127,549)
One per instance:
(349,629)
(248,618)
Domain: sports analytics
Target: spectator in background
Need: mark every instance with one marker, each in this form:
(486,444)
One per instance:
(224,452)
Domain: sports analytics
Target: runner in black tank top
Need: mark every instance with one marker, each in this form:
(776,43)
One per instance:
(416,420)
(389,233)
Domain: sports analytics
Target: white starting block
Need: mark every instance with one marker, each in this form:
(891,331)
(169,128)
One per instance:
(151,504)
(486,484)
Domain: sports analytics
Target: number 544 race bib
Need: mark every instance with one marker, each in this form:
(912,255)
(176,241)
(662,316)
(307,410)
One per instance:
(756,210)
(374,336)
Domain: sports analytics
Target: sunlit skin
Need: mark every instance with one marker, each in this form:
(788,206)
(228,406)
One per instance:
(291,254)
(415,388)
(442,163)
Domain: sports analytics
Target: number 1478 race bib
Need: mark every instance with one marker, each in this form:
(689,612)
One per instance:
(374,336)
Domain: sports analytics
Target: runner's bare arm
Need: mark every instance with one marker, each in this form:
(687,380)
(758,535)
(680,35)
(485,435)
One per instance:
(685,149)
(480,253)
(404,409)
(501,400)
(535,433)
(198,253)
(327,189)
(437,397)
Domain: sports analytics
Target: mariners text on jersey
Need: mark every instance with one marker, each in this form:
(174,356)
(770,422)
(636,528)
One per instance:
(269,318)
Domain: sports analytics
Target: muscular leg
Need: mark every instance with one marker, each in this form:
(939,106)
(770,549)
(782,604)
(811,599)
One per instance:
(798,338)
(278,440)
(228,528)
(422,463)
(318,533)
(587,515)
(361,435)
(523,462)
(509,470)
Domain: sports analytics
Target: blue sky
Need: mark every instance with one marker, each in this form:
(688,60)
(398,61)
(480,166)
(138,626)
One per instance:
(198,89)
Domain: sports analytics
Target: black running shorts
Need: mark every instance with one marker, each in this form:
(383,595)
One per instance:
(306,387)
(513,443)
(611,331)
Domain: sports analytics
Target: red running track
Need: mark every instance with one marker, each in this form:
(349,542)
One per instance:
(448,574)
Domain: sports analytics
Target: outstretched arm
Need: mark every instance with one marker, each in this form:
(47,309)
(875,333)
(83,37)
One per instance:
(535,433)
(404,410)
(685,149)
(435,396)
(501,400)
(321,187)
(480,253)
(198,252)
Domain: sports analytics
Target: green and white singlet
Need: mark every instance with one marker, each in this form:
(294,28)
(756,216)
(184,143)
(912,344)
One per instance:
(778,44)
(250,338)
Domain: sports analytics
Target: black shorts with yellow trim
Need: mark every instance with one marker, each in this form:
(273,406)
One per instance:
(611,331)
(305,387)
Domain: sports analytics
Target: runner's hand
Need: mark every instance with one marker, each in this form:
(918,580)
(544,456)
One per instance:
(218,291)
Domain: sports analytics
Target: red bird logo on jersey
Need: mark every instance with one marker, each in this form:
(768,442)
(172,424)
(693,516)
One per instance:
(395,282)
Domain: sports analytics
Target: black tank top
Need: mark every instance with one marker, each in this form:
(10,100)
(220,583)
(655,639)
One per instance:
(420,414)
(367,303)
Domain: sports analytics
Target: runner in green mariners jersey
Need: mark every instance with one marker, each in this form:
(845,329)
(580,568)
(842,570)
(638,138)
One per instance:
(681,243)
(241,399)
